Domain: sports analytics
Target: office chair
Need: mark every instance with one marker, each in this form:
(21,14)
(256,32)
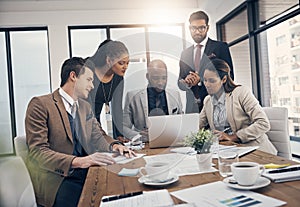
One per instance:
(279,132)
(21,147)
(16,189)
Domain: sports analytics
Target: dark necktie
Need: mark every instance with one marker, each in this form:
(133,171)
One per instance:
(74,124)
(197,57)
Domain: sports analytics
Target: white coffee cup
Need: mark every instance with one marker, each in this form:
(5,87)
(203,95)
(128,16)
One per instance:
(246,173)
(155,171)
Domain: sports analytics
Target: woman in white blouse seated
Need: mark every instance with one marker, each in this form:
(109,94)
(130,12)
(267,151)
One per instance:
(232,111)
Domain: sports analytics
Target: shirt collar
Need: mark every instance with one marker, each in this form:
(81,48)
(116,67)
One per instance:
(67,100)
(152,90)
(221,100)
(203,43)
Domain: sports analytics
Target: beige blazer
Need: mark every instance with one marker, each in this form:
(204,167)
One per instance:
(135,116)
(245,117)
(50,142)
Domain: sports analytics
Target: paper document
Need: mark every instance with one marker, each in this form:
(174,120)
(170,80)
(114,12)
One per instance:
(279,175)
(120,159)
(239,150)
(191,151)
(217,194)
(180,164)
(156,198)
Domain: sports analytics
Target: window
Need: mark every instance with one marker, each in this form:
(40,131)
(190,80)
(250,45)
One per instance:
(6,145)
(236,27)
(283,80)
(241,63)
(25,52)
(84,42)
(280,40)
(273,51)
(144,42)
(269,9)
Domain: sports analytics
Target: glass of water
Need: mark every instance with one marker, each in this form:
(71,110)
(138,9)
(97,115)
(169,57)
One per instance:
(225,159)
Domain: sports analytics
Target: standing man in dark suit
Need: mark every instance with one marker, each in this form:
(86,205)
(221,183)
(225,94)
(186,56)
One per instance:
(194,58)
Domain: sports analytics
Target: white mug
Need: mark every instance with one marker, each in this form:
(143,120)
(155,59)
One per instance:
(246,173)
(156,171)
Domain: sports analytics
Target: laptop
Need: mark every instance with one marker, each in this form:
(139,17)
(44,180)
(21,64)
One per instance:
(170,130)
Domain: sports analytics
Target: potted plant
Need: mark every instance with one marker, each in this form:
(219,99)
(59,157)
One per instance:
(201,141)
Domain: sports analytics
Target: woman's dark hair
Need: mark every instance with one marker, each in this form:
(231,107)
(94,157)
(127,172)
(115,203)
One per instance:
(108,48)
(221,68)
(75,64)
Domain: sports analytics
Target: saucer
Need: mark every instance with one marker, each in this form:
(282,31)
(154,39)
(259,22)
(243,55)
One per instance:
(261,182)
(171,179)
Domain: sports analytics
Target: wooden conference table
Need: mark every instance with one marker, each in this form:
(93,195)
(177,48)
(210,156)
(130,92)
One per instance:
(103,181)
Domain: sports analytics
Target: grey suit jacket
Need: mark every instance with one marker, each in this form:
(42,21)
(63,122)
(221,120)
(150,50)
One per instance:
(50,142)
(135,115)
(245,117)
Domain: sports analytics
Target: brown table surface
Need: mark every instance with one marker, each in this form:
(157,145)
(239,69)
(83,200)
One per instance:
(103,181)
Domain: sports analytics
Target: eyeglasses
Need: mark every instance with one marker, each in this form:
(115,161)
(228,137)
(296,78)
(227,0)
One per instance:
(200,28)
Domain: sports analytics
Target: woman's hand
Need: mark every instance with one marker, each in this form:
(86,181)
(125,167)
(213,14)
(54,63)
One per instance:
(226,137)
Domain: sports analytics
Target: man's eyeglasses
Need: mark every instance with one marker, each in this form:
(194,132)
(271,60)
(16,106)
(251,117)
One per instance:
(200,28)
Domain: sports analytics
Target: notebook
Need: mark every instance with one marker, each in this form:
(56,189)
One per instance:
(289,173)
(170,130)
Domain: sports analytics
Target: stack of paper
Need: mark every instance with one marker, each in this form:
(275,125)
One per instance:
(289,173)
(179,164)
(139,199)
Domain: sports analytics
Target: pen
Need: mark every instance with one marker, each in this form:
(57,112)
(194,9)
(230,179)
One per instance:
(226,129)
(285,170)
(117,197)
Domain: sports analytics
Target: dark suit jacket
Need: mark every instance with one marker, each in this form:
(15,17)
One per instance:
(212,49)
(50,142)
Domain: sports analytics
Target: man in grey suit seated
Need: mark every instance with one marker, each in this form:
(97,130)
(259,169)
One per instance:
(155,100)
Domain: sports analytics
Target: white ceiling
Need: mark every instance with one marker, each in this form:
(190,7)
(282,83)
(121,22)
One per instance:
(55,5)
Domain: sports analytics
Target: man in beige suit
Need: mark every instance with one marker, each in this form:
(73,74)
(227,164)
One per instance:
(64,142)
(154,100)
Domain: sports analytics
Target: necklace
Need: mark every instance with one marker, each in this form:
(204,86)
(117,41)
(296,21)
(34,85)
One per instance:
(106,99)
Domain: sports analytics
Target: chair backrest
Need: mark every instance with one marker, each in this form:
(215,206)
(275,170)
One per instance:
(16,189)
(21,147)
(279,132)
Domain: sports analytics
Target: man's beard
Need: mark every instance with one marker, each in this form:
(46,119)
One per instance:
(198,38)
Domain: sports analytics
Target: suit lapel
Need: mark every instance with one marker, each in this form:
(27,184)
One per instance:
(210,114)
(229,110)
(144,103)
(209,48)
(170,101)
(63,113)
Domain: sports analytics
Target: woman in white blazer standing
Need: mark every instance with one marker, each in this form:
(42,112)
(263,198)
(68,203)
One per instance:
(232,111)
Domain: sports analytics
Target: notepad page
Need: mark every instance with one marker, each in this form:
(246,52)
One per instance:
(157,198)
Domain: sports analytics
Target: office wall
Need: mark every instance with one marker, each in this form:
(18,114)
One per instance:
(57,15)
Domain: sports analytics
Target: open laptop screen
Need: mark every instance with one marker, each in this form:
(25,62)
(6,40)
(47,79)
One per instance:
(170,130)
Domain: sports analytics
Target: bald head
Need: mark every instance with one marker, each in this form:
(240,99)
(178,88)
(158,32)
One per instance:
(157,75)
